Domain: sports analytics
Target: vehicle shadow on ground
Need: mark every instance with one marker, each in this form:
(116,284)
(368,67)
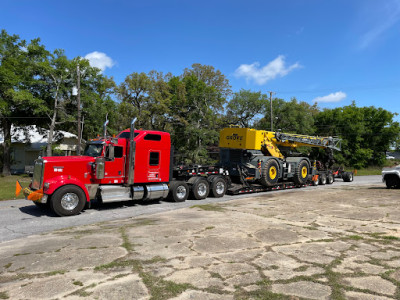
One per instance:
(377,188)
(35,211)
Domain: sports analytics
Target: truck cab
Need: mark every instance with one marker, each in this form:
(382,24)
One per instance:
(111,169)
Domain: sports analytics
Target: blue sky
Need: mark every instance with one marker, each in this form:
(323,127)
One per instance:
(332,52)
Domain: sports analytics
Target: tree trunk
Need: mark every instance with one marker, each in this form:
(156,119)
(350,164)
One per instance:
(6,147)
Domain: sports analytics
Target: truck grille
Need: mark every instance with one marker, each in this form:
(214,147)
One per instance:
(37,180)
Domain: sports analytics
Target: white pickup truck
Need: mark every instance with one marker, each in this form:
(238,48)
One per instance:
(392,177)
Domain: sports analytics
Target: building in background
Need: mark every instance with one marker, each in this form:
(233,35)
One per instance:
(28,142)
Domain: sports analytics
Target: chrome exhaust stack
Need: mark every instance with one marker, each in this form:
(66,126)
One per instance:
(105,129)
(132,151)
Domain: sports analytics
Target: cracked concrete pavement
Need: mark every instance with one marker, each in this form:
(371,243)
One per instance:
(342,242)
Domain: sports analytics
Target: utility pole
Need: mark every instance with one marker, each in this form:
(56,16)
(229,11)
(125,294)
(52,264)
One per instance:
(270,101)
(78,73)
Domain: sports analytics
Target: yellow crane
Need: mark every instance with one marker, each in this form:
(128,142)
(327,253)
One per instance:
(247,149)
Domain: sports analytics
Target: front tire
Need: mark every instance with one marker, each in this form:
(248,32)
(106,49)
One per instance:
(68,200)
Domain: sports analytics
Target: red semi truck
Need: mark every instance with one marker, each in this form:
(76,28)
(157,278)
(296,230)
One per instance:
(138,165)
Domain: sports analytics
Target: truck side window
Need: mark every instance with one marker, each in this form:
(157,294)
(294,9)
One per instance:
(118,152)
(154,158)
(152,137)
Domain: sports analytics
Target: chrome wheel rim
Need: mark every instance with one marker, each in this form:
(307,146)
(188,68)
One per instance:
(220,188)
(202,189)
(69,201)
(181,192)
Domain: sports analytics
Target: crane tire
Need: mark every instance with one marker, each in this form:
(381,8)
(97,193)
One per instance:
(270,173)
(301,173)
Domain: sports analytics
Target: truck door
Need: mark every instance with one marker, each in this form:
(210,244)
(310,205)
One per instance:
(154,165)
(114,167)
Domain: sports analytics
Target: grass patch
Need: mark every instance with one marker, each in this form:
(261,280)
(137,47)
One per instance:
(4,295)
(369,171)
(77,282)
(162,289)
(119,264)
(52,273)
(391,238)
(7,265)
(209,227)
(155,259)
(126,243)
(209,207)
(301,269)
(7,186)
(82,292)
(354,237)
(20,254)
(262,293)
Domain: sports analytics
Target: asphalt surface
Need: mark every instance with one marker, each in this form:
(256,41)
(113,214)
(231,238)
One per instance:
(21,218)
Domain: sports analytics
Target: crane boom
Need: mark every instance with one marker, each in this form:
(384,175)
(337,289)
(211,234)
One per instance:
(307,140)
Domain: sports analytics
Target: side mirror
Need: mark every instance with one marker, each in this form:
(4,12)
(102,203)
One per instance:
(100,167)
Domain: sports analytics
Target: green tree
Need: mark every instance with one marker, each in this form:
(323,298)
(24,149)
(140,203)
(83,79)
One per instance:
(290,116)
(366,132)
(245,106)
(20,86)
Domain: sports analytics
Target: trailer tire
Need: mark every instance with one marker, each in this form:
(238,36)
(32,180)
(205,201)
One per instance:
(322,179)
(315,182)
(218,187)
(347,177)
(178,191)
(301,173)
(329,178)
(200,188)
(270,173)
(68,200)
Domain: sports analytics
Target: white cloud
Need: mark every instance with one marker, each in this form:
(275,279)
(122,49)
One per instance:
(99,60)
(268,72)
(333,97)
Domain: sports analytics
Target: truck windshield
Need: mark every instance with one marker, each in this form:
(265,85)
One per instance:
(93,150)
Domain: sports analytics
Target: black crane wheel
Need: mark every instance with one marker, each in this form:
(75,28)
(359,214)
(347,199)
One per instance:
(301,173)
(270,173)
